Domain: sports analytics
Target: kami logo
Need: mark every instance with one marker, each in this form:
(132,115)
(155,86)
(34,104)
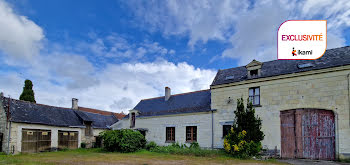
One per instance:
(306,38)
(301,52)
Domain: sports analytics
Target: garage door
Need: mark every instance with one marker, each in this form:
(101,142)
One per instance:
(308,133)
(35,140)
(67,139)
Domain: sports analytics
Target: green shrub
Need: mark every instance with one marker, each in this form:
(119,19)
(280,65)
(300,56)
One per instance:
(194,145)
(151,145)
(124,140)
(182,149)
(237,144)
(83,145)
(245,136)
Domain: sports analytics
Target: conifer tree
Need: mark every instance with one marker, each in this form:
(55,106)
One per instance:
(245,119)
(28,93)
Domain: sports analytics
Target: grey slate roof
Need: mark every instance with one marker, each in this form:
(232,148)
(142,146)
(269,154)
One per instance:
(26,112)
(198,101)
(332,58)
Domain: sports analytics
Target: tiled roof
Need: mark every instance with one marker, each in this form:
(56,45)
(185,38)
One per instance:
(332,58)
(117,115)
(27,112)
(198,101)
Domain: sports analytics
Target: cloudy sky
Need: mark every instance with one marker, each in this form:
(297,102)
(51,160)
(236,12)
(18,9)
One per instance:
(111,54)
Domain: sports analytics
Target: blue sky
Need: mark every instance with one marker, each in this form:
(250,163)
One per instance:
(111,54)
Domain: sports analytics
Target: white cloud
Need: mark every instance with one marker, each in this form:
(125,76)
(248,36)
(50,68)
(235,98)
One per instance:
(116,46)
(249,27)
(19,36)
(202,20)
(119,87)
(62,73)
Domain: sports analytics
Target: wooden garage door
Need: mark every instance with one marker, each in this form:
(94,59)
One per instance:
(35,140)
(308,133)
(67,139)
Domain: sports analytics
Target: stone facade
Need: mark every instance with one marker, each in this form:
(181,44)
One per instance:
(157,126)
(321,89)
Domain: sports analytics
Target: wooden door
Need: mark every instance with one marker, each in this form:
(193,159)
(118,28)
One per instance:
(35,140)
(311,137)
(288,134)
(67,139)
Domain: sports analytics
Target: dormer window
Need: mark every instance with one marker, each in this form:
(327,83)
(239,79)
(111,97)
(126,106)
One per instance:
(254,73)
(253,69)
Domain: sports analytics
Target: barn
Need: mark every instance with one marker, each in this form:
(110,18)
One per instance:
(29,127)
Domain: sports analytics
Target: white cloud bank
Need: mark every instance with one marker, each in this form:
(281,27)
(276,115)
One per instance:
(19,36)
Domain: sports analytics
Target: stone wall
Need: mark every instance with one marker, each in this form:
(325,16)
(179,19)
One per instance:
(327,89)
(90,140)
(3,127)
(157,125)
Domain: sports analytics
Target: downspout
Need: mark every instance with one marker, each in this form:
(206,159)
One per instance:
(8,139)
(349,94)
(212,128)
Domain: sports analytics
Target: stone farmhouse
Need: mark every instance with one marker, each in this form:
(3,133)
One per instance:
(28,127)
(304,105)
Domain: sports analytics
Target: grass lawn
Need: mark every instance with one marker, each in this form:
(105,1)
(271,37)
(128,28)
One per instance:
(96,156)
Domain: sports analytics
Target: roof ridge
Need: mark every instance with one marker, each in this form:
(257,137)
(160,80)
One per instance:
(100,110)
(277,59)
(37,103)
(178,94)
(92,113)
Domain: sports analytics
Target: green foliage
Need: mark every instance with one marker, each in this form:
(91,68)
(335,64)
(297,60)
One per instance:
(245,136)
(194,145)
(245,119)
(124,140)
(83,145)
(238,145)
(151,145)
(28,93)
(183,149)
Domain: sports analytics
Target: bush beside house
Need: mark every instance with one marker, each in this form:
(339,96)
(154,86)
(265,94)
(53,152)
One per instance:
(245,136)
(124,140)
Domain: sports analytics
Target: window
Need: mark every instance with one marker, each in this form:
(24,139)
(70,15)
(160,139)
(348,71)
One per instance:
(88,129)
(132,124)
(170,134)
(225,130)
(191,133)
(254,73)
(254,95)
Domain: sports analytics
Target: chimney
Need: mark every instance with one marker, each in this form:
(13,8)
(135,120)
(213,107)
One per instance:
(167,93)
(75,103)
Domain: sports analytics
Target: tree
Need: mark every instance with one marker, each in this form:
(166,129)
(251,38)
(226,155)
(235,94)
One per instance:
(245,136)
(245,119)
(28,93)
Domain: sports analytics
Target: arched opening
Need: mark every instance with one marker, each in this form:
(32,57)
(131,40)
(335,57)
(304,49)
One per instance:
(308,133)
